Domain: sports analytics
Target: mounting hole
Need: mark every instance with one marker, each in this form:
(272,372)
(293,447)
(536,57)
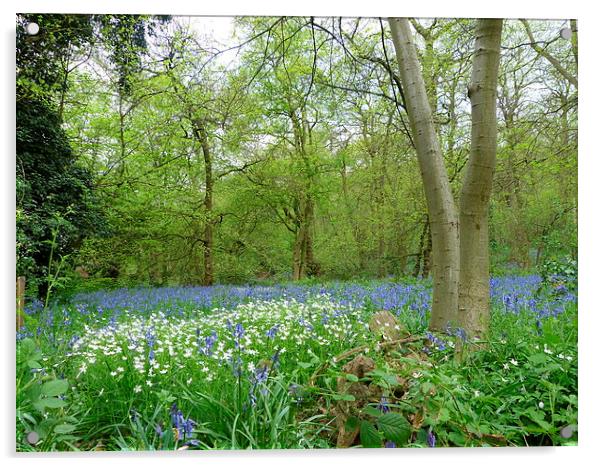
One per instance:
(32,28)
(566,33)
(567,432)
(33,437)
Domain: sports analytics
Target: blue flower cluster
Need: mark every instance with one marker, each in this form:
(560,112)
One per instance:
(183,426)
(513,294)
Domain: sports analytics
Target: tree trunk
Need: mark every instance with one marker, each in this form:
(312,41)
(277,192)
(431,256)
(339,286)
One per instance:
(442,210)
(311,266)
(426,254)
(300,244)
(473,308)
(519,241)
(207,203)
(355,225)
(298,258)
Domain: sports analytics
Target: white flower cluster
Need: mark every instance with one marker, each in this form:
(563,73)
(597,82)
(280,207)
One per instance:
(150,348)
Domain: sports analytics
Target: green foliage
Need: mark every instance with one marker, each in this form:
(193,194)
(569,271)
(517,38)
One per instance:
(363,182)
(561,273)
(41,58)
(42,403)
(53,193)
(518,389)
(305,137)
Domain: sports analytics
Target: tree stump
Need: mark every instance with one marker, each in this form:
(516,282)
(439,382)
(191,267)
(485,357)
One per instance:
(384,325)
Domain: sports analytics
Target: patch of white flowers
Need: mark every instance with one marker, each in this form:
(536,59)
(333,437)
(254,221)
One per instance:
(147,349)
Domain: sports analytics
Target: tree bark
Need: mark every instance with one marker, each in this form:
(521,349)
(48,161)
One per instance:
(426,254)
(443,216)
(473,308)
(201,133)
(303,258)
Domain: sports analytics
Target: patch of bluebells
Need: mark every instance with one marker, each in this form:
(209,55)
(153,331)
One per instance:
(184,426)
(33,307)
(259,377)
(458,332)
(512,294)
(205,345)
(436,341)
(150,341)
(238,333)
(101,313)
(236,365)
(271,333)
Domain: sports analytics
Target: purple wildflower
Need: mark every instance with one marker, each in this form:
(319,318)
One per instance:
(383,405)
(271,333)
(431,439)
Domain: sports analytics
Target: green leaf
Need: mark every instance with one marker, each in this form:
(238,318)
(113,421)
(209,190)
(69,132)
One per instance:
(352,377)
(444,415)
(372,411)
(27,346)
(351,424)
(55,387)
(343,397)
(64,428)
(391,380)
(44,427)
(369,436)
(456,438)
(52,402)
(395,427)
(538,358)
(33,364)
(34,392)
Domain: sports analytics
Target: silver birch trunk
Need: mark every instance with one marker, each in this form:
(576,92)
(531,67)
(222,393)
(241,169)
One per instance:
(473,308)
(443,216)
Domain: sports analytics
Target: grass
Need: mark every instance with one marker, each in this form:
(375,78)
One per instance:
(229,367)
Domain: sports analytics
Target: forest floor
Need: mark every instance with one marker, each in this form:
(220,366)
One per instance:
(295,366)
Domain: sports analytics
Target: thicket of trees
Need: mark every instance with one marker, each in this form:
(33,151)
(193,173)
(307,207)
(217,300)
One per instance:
(294,153)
